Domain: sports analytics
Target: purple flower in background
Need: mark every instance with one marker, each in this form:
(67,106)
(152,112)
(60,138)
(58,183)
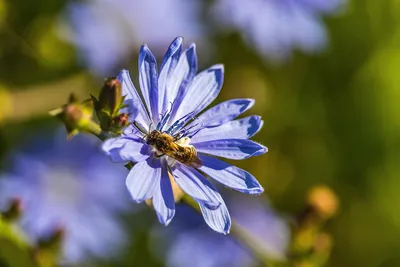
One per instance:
(72,186)
(179,144)
(105,31)
(192,244)
(276,27)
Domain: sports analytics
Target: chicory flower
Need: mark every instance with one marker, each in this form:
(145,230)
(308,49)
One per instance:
(276,27)
(106,31)
(169,141)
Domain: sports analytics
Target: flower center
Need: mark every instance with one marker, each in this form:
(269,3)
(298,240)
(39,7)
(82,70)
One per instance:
(166,145)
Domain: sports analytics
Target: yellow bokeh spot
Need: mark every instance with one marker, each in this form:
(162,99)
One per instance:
(5,104)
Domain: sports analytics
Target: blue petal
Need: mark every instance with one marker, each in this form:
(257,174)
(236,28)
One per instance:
(231,148)
(203,90)
(230,176)
(238,129)
(167,74)
(163,199)
(180,79)
(173,53)
(196,185)
(224,112)
(143,178)
(132,109)
(122,149)
(148,79)
(218,219)
(129,90)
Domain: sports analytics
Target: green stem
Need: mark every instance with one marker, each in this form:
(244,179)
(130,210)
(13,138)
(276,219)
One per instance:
(95,129)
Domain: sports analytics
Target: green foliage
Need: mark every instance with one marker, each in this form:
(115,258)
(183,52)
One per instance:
(14,248)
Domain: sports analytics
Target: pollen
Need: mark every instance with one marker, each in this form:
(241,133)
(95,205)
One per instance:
(184,141)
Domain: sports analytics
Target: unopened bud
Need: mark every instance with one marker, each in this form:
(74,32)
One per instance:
(53,238)
(108,104)
(48,250)
(13,211)
(120,121)
(324,201)
(76,116)
(110,96)
(323,243)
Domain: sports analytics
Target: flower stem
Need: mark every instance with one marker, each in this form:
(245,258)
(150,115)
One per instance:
(95,129)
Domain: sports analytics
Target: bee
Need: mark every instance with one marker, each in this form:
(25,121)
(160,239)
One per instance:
(179,149)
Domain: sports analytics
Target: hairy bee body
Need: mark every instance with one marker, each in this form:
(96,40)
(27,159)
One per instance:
(165,144)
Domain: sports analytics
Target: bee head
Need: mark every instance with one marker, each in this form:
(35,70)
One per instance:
(149,142)
(152,137)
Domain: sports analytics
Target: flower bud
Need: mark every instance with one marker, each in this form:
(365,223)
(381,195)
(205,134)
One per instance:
(323,201)
(323,243)
(76,116)
(54,237)
(109,103)
(120,121)
(110,96)
(322,205)
(49,247)
(14,210)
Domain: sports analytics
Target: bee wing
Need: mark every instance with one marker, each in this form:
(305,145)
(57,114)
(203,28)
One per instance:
(197,163)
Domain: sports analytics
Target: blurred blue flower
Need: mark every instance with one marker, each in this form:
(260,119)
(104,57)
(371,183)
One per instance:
(180,95)
(276,27)
(105,31)
(190,243)
(70,186)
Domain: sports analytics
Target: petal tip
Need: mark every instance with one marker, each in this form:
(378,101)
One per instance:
(192,46)
(227,228)
(261,123)
(179,39)
(259,190)
(122,74)
(259,152)
(220,67)
(251,102)
(167,220)
(145,52)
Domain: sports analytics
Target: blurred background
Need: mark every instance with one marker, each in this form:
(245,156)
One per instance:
(325,77)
